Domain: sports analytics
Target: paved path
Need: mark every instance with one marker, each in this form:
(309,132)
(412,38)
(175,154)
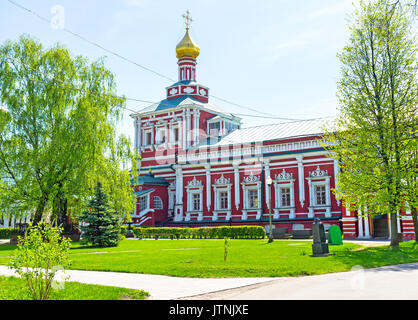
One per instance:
(384,283)
(160,287)
(390,282)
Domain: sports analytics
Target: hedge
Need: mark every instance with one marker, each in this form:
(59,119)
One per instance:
(241,232)
(6,233)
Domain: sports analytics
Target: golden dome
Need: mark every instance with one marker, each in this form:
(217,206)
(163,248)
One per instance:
(187,48)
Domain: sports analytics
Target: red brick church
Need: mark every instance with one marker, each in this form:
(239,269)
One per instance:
(200,167)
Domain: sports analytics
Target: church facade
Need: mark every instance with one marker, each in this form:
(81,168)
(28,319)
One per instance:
(200,167)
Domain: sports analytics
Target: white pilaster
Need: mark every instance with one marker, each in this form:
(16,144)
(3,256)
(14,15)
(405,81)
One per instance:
(301,180)
(267,187)
(360,224)
(366,224)
(178,209)
(208,187)
(188,129)
(184,133)
(236,184)
(398,222)
(196,117)
(336,172)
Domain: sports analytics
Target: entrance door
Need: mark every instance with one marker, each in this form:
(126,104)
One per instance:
(380,226)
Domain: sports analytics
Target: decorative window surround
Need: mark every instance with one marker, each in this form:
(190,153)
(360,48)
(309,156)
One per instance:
(249,183)
(194,187)
(319,177)
(281,181)
(222,185)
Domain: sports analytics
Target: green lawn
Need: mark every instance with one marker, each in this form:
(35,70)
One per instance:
(246,258)
(12,288)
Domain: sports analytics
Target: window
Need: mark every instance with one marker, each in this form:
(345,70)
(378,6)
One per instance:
(161,136)
(176,134)
(158,203)
(148,138)
(143,203)
(285,199)
(214,129)
(196,201)
(253,199)
(230,127)
(320,195)
(223,200)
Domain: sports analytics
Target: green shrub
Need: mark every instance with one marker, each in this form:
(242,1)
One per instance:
(39,256)
(6,233)
(238,232)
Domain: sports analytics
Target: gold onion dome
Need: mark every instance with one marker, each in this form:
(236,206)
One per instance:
(187,48)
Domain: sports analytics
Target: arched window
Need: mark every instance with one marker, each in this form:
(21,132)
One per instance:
(158,203)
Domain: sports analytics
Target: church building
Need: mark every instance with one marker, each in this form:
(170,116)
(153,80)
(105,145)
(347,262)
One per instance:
(200,167)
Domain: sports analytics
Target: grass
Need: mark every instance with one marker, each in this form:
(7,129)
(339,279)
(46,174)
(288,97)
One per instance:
(246,258)
(12,288)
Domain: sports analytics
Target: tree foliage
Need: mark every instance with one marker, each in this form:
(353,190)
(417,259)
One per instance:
(376,133)
(58,137)
(102,224)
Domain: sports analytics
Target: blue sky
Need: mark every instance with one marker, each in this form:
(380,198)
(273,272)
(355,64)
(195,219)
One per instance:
(277,56)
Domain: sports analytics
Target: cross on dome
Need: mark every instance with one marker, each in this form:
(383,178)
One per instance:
(187,19)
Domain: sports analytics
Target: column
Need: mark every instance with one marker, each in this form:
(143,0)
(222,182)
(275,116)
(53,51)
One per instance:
(267,187)
(178,209)
(184,133)
(390,225)
(196,117)
(328,197)
(336,172)
(366,224)
(360,224)
(208,187)
(276,195)
(188,129)
(301,180)
(311,213)
(398,222)
(236,183)
(136,135)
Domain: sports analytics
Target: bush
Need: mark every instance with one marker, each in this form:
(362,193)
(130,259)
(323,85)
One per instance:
(6,233)
(39,255)
(239,232)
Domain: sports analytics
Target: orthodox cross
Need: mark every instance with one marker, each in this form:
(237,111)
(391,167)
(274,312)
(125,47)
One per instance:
(188,19)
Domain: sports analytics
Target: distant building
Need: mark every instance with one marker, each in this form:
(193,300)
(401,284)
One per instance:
(206,170)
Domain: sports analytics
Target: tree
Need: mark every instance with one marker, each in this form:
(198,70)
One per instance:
(378,95)
(102,224)
(58,134)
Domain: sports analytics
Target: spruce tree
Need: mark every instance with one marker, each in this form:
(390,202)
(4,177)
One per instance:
(102,224)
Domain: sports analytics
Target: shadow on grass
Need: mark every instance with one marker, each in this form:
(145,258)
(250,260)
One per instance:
(374,257)
(8,247)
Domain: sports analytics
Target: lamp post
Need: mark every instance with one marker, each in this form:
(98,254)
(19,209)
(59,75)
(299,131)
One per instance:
(269,182)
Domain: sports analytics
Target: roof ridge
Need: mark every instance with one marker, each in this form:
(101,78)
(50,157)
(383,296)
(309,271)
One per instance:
(289,122)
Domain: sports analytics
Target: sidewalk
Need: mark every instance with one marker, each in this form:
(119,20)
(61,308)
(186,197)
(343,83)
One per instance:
(383,283)
(160,287)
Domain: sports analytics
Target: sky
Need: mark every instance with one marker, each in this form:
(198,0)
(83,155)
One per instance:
(275,56)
